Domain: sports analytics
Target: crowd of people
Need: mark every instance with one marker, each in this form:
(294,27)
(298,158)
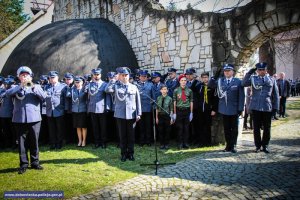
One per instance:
(121,107)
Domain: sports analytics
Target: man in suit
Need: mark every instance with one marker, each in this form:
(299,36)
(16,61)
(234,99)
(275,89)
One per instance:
(284,88)
(128,110)
(55,109)
(264,101)
(97,99)
(231,103)
(27,117)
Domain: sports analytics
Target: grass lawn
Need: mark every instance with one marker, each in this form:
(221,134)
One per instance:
(81,170)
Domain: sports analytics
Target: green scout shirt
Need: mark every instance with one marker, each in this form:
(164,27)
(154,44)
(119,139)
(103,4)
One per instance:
(177,97)
(168,104)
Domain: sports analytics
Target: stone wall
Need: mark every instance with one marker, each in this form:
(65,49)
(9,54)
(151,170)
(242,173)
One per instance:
(160,39)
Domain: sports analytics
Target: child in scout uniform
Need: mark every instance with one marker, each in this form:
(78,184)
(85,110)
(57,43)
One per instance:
(183,111)
(163,120)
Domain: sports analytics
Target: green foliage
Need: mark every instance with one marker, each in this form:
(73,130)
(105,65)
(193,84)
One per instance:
(189,6)
(82,170)
(11,17)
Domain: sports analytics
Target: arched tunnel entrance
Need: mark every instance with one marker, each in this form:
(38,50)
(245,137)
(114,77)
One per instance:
(75,46)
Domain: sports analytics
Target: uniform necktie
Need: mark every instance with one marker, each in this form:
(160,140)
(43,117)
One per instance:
(205,94)
(163,101)
(183,96)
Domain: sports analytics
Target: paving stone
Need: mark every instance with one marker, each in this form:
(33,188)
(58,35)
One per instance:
(218,175)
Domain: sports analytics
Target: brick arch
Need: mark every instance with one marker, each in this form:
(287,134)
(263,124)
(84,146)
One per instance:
(248,27)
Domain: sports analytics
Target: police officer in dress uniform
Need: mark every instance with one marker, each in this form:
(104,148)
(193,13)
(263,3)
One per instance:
(156,80)
(27,117)
(97,108)
(231,103)
(191,83)
(44,132)
(6,113)
(128,110)
(110,107)
(171,82)
(55,108)
(147,94)
(265,99)
(70,131)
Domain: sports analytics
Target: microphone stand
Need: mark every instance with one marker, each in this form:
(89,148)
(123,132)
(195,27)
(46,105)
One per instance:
(156,162)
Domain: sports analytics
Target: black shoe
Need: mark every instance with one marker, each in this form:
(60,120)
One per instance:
(283,116)
(266,150)
(123,158)
(226,149)
(131,158)
(22,170)
(233,150)
(52,147)
(96,146)
(37,167)
(185,146)
(257,150)
(276,118)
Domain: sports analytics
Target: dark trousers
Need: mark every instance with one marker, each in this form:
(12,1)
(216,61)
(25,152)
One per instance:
(282,104)
(99,127)
(204,126)
(71,133)
(182,125)
(28,136)
(246,120)
(230,124)
(7,134)
(164,128)
(44,133)
(56,130)
(126,135)
(194,128)
(262,118)
(145,128)
(112,126)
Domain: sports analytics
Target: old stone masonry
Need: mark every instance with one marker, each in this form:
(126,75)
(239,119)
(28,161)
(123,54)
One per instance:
(218,175)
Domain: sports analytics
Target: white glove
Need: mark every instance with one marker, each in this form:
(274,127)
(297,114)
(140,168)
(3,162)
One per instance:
(191,117)
(174,117)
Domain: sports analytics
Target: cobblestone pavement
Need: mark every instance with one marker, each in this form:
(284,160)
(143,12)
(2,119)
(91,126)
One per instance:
(219,175)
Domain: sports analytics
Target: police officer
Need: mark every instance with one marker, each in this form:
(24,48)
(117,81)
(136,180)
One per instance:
(6,112)
(191,83)
(78,96)
(27,117)
(55,107)
(70,131)
(97,108)
(127,111)
(265,99)
(147,94)
(231,103)
(156,80)
(171,82)
(44,133)
(110,107)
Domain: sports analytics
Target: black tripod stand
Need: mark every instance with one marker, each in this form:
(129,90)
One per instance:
(156,162)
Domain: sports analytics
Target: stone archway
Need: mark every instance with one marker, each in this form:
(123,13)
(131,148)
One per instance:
(248,27)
